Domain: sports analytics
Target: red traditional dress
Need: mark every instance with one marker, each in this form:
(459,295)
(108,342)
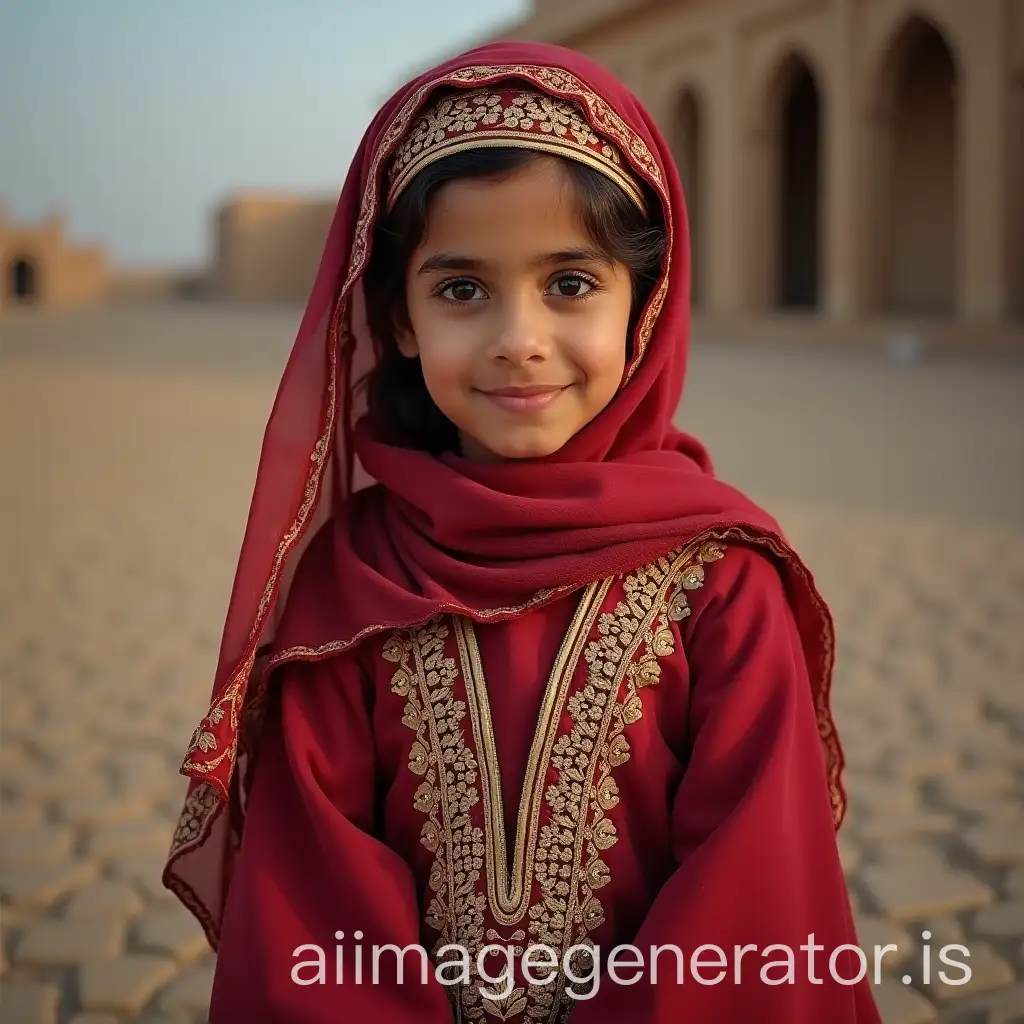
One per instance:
(568,705)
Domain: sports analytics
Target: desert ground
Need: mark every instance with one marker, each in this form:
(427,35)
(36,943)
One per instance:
(130,440)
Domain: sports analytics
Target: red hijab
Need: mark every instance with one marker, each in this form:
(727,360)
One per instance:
(388,537)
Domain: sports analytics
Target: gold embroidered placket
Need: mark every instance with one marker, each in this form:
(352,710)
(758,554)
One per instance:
(563,857)
(508,892)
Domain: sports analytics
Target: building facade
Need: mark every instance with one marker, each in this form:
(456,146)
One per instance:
(858,162)
(267,246)
(42,269)
(857,159)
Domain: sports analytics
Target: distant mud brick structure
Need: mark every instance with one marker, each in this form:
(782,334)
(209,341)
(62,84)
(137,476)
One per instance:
(42,269)
(267,246)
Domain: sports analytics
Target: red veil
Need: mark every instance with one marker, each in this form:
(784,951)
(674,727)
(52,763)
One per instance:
(447,534)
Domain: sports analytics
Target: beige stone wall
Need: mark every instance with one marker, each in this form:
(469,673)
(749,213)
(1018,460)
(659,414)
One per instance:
(56,274)
(1015,158)
(81,277)
(147,285)
(268,247)
(864,154)
(553,19)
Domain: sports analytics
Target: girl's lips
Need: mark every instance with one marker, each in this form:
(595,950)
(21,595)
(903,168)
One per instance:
(525,399)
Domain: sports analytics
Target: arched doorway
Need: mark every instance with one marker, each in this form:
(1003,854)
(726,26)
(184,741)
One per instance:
(917,217)
(21,283)
(690,155)
(1017,199)
(798,249)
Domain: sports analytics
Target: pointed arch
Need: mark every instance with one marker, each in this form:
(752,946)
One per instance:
(22,280)
(788,185)
(798,281)
(917,167)
(690,133)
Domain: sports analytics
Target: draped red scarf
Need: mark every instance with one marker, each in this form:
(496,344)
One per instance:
(348,536)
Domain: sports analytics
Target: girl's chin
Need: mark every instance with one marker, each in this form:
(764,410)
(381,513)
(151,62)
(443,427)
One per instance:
(510,449)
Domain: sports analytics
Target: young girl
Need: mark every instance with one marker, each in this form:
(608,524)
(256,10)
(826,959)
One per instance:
(520,714)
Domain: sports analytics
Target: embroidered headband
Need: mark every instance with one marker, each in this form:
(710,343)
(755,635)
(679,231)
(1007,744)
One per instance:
(510,116)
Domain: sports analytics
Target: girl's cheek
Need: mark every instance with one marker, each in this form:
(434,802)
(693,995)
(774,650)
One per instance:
(598,350)
(452,355)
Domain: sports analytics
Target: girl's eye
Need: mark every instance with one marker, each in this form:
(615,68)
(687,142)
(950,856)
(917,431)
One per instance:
(460,291)
(573,286)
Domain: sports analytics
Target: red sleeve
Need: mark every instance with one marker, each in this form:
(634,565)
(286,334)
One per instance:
(310,866)
(753,839)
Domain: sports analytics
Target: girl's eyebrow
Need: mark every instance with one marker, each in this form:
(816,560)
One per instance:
(455,261)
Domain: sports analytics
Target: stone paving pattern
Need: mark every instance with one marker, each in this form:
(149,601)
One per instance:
(130,440)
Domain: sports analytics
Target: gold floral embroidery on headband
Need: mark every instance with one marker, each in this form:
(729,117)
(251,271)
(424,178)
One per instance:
(487,118)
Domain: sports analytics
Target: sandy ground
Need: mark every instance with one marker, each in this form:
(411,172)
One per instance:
(130,439)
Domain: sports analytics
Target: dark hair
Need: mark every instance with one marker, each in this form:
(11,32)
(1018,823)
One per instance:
(399,404)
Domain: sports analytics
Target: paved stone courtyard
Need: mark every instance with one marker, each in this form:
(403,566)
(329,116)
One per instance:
(130,439)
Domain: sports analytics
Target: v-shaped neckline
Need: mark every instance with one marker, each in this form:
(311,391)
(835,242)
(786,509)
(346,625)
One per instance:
(508,889)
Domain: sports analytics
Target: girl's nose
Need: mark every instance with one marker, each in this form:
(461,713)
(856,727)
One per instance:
(520,335)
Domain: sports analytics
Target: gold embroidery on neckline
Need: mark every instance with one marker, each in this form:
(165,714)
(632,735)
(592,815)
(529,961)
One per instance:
(567,864)
(509,893)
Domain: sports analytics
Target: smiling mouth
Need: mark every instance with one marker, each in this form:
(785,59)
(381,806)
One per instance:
(530,398)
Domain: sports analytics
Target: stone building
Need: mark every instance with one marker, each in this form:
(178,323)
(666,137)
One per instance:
(859,159)
(41,268)
(267,246)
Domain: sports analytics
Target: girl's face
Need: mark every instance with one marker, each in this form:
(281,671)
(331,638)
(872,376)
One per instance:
(519,322)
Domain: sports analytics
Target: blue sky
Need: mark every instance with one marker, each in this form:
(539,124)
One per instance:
(137,117)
